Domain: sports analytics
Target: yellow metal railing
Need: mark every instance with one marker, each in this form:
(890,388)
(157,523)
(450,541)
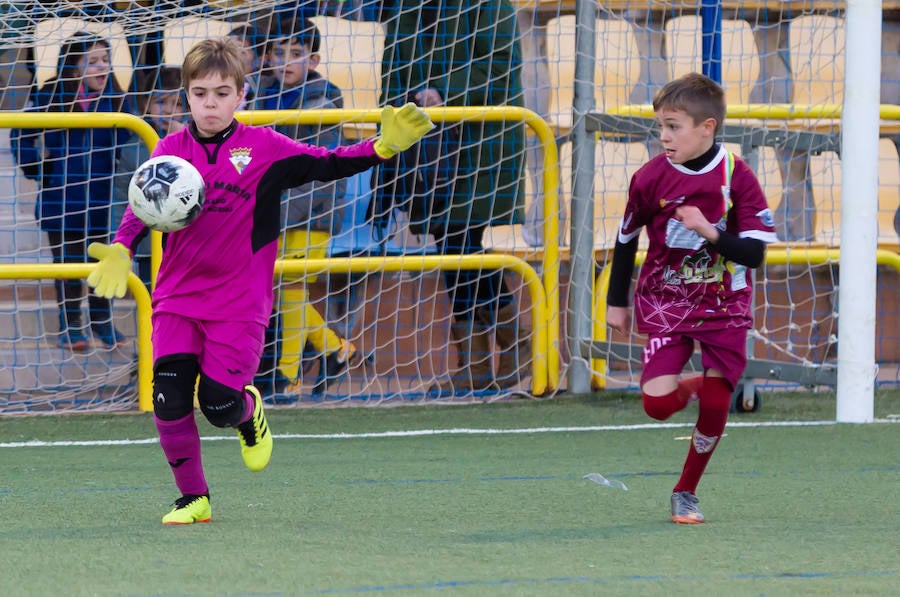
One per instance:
(773,257)
(764,111)
(539,345)
(75,271)
(544,292)
(550,257)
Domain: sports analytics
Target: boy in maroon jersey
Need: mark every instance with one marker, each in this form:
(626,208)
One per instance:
(708,224)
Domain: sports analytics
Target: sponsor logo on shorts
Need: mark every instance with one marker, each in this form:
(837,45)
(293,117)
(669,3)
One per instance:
(653,345)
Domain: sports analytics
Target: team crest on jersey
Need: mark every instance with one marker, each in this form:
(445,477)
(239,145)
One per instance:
(240,158)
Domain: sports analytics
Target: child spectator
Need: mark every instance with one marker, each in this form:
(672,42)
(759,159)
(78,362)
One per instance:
(311,213)
(75,169)
(213,293)
(244,35)
(163,109)
(708,224)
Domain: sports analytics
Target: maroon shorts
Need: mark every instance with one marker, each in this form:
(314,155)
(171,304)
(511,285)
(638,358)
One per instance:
(227,352)
(722,350)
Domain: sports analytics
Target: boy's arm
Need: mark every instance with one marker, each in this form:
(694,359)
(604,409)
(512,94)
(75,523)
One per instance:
(617,311)
(621,270)
(400,129)
(744,251)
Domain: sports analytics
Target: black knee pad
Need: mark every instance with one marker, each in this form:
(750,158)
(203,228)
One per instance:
(173,386)
(222,406)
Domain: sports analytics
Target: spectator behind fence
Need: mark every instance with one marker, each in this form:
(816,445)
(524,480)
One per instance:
(162,106)
(244,35)
(466,177)
(213,293)
(309,214)
(75,169)
(708,224)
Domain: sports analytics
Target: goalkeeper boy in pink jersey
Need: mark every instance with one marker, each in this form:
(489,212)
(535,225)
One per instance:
(708,224)
(213,294)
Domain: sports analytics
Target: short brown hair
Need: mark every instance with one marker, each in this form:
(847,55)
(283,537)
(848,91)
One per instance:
(694,94)
(214,56)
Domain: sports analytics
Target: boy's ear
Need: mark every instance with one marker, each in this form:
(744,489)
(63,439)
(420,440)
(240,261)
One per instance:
(313,61)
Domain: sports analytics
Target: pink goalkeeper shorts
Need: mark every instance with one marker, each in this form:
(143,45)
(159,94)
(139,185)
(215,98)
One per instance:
(227,352)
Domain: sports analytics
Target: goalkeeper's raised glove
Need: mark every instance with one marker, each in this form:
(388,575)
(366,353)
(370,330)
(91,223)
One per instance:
(110,278)
(400,128)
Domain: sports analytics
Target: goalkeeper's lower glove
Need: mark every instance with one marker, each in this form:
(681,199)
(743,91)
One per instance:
(110,278)
(400,128)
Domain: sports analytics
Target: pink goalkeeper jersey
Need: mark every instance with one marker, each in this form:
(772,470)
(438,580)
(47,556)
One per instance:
(684,283)
(220,267)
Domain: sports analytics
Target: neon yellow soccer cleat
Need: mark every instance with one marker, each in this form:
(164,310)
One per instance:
(256,440)
(188,510)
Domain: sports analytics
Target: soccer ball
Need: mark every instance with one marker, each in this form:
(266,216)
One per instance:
(166,193)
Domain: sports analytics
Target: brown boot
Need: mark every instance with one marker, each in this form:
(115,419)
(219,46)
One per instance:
(514,345)
(476,371)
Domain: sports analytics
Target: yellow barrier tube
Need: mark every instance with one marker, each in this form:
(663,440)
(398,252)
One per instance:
(74,271)
(768,111)
(539,355)
(789,255)
(79,120)
(551,256)
(546,303)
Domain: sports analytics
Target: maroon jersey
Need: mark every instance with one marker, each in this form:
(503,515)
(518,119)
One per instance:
(684,283)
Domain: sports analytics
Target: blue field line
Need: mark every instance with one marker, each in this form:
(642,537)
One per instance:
(452,480)
(432,432)
(569,580)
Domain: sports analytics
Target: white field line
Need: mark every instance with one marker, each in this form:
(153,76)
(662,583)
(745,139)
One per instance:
(427,432)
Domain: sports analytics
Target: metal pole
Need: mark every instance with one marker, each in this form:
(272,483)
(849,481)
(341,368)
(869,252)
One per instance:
(711,19)
(581,263)
(859,213)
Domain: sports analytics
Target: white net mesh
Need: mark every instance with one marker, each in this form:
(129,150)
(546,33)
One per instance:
(417,330)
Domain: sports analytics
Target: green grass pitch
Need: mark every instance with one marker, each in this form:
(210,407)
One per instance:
(352,504)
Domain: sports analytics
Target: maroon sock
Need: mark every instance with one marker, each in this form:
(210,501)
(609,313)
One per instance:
(689,388)
(663,407)
(715,401)
(180,442)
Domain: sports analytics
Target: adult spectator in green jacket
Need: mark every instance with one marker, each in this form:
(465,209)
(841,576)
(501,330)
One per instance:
(466,177)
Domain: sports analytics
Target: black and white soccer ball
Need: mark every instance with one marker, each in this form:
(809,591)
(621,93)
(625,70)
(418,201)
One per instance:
(166,193)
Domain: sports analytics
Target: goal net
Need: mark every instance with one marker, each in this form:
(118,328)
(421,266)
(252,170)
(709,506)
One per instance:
(426,334)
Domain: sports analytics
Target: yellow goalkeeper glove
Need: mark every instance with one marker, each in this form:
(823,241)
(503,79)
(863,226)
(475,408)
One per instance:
(400,128)
(110,278)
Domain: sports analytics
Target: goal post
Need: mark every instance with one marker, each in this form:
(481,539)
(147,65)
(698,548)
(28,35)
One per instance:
(790,70)
(859,140)
(826,121)
(543,291)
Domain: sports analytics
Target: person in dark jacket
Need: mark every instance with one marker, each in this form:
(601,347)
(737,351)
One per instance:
(75,170)
(455,53)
